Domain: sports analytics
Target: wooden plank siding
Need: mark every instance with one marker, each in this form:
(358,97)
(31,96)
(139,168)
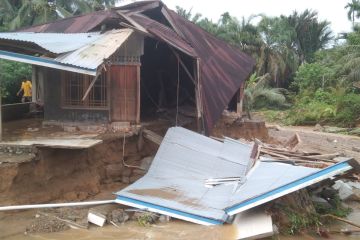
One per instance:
(125,98)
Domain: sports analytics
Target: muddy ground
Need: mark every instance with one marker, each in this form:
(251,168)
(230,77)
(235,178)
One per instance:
(96,180)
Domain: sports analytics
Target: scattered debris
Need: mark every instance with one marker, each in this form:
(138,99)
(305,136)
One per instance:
(342,220)
(293,142)
(43,224)
(119,216)
(187,159)
(96,218)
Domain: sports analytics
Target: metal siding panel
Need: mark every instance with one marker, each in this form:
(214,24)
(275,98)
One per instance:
(53,42)
(93,54)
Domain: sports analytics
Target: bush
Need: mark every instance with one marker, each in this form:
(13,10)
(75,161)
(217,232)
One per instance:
(312,76)
(10,76)
(348,110)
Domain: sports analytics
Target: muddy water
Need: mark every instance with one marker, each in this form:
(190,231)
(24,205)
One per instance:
(12,227)
(132,231)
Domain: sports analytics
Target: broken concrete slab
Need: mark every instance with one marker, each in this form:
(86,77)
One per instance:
(96,218)
(100,214)
(55,143)
(253,224)
(345,190)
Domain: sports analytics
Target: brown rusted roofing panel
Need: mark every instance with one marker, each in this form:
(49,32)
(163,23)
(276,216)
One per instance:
(222,67)
(164,33)
(76,24)
(138,7)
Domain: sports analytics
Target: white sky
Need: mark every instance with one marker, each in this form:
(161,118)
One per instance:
(331,10)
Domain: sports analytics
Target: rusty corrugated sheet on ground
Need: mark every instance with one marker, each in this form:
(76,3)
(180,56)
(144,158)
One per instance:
(76,24)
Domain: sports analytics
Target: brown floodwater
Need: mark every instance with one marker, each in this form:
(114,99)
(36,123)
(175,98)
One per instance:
(129,231)
(12,227)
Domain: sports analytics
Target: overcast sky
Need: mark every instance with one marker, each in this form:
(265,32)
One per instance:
(332,10)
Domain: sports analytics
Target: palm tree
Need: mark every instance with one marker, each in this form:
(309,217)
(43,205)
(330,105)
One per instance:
(32,12)
(257,90)
(20,13)
(311,34)
(354,8)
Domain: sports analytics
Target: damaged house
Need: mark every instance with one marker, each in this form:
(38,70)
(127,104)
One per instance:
(124,64)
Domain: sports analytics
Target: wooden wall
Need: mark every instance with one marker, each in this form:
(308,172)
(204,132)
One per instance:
(125,93)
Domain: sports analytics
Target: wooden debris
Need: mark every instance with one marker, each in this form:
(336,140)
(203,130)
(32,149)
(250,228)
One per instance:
(293,142)
(287,153)
(152,136)
(342,220)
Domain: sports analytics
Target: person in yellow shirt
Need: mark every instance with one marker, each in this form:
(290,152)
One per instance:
(26,87)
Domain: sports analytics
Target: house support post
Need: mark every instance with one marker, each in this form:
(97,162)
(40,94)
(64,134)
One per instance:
(34,82)
(0,109)
(240,100)
(198,95)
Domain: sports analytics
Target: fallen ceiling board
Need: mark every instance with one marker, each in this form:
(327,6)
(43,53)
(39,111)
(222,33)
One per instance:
(56,143)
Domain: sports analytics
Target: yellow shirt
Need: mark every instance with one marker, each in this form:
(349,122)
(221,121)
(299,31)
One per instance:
(26,87)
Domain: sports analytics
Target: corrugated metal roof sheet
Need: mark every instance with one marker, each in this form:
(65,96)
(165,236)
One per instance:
(53,42)
(76,24)
(164,33)
(93,55)
(85,56)
(175,183)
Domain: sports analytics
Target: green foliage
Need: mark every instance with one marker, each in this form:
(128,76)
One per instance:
(145,219)
(258,94)
(300,222)
(312,76)
(10,75)
(353,38)
(348,110)
(17,14)
(354,8)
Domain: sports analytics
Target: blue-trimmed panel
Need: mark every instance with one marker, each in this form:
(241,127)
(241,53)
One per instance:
(313,176)
(165,209)
(39,59)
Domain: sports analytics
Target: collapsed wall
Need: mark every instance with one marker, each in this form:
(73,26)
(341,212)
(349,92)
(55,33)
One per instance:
(69,174)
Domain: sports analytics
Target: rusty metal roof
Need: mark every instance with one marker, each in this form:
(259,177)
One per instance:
(223,68)
(164,33)
(76,24)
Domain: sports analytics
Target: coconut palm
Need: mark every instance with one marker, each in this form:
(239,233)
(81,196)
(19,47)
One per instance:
(19,13)
(353,10)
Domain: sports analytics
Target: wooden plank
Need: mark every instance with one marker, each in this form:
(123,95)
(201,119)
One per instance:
(138,108)
(69,143)
(152,136)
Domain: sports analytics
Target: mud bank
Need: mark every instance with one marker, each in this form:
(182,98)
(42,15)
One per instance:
(56,175)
